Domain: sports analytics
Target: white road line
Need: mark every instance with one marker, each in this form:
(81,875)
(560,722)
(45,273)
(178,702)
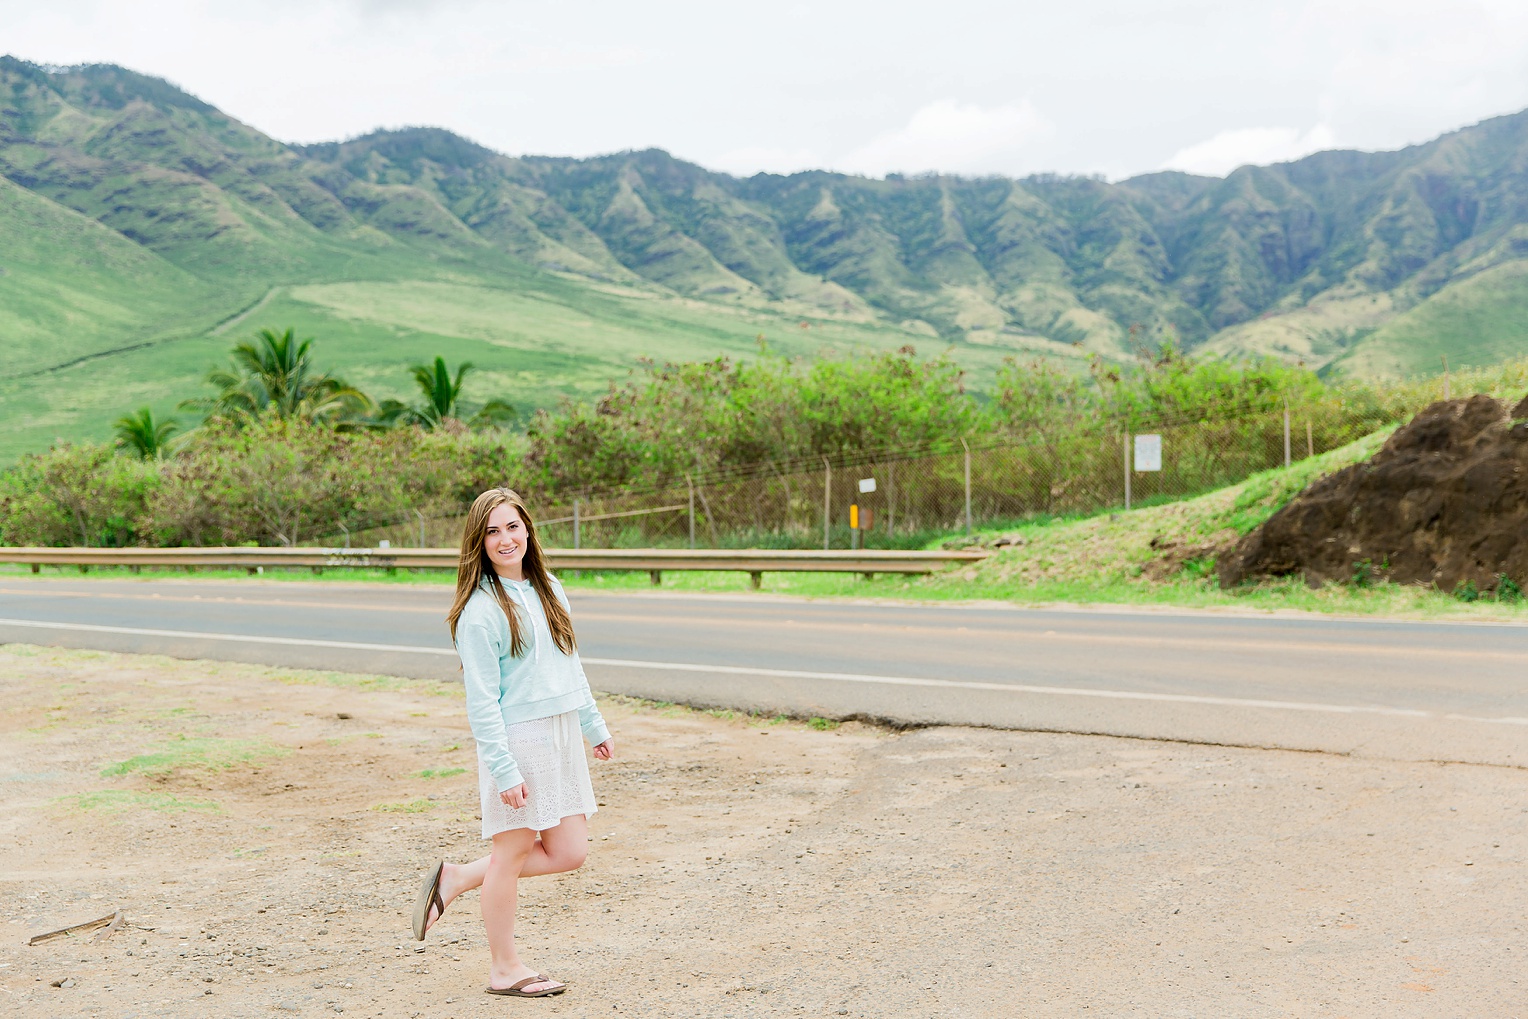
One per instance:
(239,638)
(736,670)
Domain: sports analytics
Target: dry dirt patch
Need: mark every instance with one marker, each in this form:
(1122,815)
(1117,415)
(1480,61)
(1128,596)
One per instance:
(263,830)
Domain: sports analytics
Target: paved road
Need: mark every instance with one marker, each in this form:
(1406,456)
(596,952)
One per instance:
(1428,691)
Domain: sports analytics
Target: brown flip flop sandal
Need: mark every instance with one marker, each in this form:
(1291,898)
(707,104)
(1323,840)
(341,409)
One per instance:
(429,895)
(515,990)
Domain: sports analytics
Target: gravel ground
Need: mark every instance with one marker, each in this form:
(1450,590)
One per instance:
(263,832)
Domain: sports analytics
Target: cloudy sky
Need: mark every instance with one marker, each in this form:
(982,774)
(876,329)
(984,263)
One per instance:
(1114,87)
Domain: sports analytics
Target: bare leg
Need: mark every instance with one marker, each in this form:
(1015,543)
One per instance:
(559,849)
(500,898)
(456,878)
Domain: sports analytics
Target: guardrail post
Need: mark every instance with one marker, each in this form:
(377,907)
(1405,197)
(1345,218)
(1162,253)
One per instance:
(755,579)
(967,450)
(656,576)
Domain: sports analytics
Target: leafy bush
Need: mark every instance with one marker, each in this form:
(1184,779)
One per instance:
(680,419)
(75,495)
(282,481)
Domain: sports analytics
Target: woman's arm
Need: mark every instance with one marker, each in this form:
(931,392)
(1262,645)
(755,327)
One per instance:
(478,647)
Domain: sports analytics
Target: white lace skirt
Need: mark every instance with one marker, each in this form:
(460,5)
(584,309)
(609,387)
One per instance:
(550,752)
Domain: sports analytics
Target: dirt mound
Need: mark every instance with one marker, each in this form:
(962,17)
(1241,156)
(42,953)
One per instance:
(1445,502)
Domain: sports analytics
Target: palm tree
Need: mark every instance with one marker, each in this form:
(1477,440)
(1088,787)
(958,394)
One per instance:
(140,433)
(442,392)
(275,373)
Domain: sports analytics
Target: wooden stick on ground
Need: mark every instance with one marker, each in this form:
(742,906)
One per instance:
(112,922)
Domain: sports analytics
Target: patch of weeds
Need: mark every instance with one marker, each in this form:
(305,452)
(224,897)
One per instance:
(1363,573)
(241,854)
(725,714)
(1508,590)
(364,683)
(439,772)
(116,800)
(450,747)
(1198,569)
(822,724)
(411,807)
(186,754)
(1467,592)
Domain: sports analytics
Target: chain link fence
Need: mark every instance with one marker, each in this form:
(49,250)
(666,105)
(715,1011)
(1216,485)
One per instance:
(919,492)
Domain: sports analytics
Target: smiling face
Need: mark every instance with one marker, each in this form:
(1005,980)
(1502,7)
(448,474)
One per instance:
(505,541)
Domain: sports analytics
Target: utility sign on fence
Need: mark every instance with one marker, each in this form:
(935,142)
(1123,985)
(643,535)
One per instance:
(1148,452)
(867,485)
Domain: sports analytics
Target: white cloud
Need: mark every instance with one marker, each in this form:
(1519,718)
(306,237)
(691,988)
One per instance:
(1226,151)
(949,137)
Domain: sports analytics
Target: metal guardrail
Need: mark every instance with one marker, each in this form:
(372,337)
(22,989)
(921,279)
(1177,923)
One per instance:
(655,561)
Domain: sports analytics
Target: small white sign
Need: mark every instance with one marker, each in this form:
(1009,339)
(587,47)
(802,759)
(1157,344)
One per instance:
(1148,452)
(867,485)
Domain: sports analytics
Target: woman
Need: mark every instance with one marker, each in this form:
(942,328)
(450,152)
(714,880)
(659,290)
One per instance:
(527,700)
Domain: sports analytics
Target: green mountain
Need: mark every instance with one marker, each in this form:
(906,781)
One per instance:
(141,229)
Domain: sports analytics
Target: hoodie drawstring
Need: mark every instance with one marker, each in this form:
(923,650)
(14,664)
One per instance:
(530,621)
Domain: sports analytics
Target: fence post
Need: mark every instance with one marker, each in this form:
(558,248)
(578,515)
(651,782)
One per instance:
(1310,442)
(967,450)
(1445,377)
(1127,468)
(1286,433)
(691,484)
(891,498)
(827,503)
(347,533)
(575,524)
(421,527)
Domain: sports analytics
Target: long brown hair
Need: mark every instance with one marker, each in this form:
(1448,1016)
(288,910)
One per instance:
(473,565)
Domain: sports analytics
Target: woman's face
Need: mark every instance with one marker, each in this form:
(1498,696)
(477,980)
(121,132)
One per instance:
(505,540)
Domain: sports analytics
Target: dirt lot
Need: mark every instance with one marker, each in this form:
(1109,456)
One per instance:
(263,830)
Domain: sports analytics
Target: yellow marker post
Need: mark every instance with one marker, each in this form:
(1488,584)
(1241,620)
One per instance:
(854,516)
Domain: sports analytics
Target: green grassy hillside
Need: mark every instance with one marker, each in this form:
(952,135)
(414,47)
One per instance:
(70,287)
(1480,320)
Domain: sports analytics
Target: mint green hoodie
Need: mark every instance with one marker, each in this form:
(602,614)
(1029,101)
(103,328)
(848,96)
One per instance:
(503,689)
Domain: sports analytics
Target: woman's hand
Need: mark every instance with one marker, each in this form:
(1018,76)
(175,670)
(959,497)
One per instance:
(515,797)
(606,750)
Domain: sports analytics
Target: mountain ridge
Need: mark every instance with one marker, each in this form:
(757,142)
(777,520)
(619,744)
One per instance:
(1342,259)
